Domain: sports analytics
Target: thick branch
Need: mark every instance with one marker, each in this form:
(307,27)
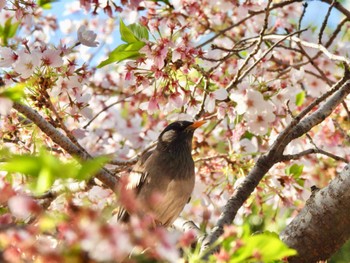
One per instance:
(321,113)
(241,194)
(56,136)
(323,225)
(297,128)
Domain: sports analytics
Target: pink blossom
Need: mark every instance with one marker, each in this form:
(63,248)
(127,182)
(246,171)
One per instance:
(2,4)
(87,37)
(71,84)
(167,247)
(219,94)
(100,196)
(52,58)
(151,106)
(287,94)
(7,57)
(157,52)
(252,101)
(27,63)
(22,206)
(176,99)
(5,106)
(259,121)
(135,3)
(6,219)
(315,86)
(6,192)
(246,146)
(79,133)
(221,113)
(297,75)
(188,238)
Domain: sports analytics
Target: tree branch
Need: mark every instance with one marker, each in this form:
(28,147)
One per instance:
(325,21)
(252,14)
(339,6)
(296,156)
(324,218)
(296,129)
(56,136)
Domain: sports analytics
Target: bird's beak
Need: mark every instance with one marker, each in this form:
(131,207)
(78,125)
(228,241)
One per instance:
(197,124)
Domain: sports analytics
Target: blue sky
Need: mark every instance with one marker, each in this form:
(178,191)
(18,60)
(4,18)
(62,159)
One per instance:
(315,13)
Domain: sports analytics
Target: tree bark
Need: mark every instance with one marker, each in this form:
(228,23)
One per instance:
(298,127)
(323,225)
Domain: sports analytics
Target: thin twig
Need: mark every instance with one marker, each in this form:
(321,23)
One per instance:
(323,75)
(106,108)
(49,104)
(252,14)
(324,24)
(340,7)
(305,5)
(238,78)
(296,156)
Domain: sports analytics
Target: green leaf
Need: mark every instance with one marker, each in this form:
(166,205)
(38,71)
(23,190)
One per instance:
(295,170)
(44,168)
(44,181)
(14,93)
(13,29)
(123,52)
(133,36)
(140,32)
(126,33)
(267,245)
(25,164)
(300,97)
(90,168)
(9,30)
(46,4)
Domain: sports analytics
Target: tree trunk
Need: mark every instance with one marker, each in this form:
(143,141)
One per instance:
(323,225)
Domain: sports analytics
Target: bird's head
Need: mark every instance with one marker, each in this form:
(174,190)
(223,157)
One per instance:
(178,134)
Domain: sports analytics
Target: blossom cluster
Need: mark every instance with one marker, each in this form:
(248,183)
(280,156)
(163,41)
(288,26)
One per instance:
(222,61)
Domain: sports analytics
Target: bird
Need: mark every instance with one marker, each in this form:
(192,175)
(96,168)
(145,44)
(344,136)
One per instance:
(163,179)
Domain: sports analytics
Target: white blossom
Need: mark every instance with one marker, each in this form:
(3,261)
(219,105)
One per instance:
(87,37)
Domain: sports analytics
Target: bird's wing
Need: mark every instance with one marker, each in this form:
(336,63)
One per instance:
(139,174)
(137,178)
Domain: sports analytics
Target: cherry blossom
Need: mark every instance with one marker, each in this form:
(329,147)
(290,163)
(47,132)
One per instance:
(6,105)
(2,4)
(157,52)
(52,58)
(259,122)
(27,63)
(7,57)
(22,206)
(209,60)
(220,94)
(87,37)
(151,106)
